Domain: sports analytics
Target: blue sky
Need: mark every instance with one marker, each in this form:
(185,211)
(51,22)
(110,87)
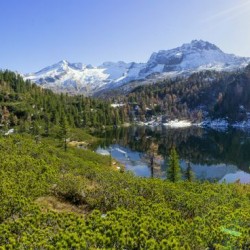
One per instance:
(38,33)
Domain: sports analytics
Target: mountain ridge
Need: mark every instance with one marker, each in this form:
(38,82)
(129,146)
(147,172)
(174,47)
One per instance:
(79,78)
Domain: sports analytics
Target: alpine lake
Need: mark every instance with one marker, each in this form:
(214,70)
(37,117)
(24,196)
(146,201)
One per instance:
(214,155)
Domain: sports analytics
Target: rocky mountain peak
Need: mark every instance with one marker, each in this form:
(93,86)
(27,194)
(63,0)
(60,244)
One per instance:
(78,78)
(202,45)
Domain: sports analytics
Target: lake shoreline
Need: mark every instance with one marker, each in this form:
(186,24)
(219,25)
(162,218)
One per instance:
(212,153)
(221,124)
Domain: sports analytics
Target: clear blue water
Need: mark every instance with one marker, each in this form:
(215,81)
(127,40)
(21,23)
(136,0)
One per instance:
(213,155)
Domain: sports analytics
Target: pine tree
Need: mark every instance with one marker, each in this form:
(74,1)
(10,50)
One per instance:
(152,152)
(63,131)
(46,125)
(173,170)
(35,129)
(189,174)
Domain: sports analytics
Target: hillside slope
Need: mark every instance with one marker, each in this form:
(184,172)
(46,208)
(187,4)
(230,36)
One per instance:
(109,209)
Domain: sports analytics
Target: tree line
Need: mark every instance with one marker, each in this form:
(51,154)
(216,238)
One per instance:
(205,93)
(37,110)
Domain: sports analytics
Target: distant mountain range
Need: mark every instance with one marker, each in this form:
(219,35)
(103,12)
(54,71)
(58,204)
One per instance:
(77,78)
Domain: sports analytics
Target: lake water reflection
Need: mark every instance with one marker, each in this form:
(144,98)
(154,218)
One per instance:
(213,155)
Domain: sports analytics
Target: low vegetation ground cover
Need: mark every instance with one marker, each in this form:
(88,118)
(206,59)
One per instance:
(73,199)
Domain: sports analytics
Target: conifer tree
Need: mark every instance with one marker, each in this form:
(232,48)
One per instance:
(35,129)
(63,131)
(189,174)
(46,125)
(173,170)
(153,149)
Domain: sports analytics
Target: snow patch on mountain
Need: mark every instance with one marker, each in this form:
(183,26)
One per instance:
(78,78)
(197,55)
(70,77)
(178,124)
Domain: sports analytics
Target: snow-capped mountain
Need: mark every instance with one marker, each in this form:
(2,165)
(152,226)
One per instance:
(197,55)
(77,78)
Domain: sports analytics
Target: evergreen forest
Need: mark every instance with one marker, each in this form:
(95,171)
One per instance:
(204,94)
